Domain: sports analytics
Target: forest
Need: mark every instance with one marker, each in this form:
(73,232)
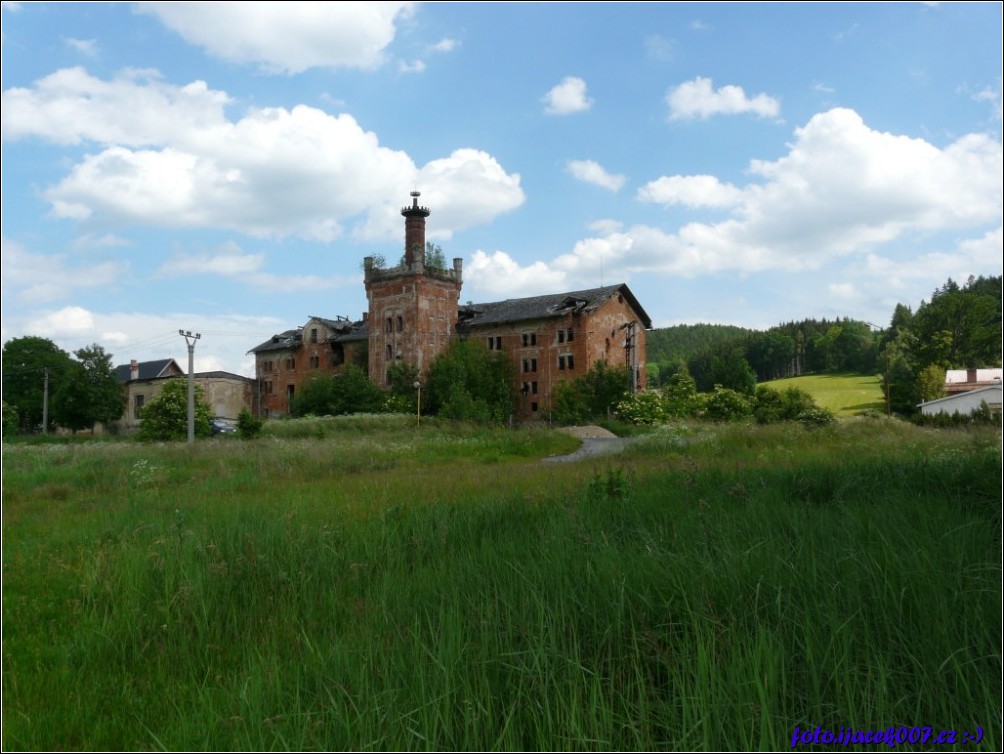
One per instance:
(958,327)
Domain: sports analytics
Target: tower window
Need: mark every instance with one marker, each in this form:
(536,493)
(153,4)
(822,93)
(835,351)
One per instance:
(400,323)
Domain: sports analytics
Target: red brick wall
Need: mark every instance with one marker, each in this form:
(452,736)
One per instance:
(412,314)
(596,336)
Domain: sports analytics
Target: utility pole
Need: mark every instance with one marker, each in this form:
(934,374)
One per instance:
(190,340)
(45,403)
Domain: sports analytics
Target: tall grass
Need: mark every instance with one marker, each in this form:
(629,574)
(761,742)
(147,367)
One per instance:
(441,590)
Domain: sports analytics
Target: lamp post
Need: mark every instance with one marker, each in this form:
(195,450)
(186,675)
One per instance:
(418,411)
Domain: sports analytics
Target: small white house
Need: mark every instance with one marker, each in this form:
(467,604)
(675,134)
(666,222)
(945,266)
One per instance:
(965,403)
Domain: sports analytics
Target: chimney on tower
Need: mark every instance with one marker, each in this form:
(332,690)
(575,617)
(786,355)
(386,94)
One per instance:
(133,370)
(414,234)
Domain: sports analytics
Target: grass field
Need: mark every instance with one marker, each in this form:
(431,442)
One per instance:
(375,586)
(843,394)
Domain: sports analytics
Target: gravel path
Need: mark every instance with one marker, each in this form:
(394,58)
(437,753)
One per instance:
(595,441)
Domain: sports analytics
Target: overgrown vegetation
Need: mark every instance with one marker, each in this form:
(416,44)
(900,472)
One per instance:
(385,588)
(166,416)
(958,328)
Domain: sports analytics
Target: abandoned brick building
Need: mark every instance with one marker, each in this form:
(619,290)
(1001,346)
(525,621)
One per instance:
(414,311)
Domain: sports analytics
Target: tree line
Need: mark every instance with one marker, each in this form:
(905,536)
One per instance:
(42,382)
(958,328)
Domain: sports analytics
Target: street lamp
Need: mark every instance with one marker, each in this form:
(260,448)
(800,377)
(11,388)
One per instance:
(418,412)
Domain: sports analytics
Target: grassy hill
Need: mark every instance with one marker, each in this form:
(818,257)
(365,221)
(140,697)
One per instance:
(843,394)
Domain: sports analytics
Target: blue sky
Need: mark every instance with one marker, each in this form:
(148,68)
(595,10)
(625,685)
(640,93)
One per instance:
(223,168)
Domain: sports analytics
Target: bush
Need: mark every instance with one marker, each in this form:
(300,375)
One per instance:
(166,416)
(248,427)
(725,404)
(816,417)
(647,408)
(771,406)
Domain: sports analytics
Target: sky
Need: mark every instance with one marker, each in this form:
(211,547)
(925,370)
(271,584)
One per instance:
(223,168)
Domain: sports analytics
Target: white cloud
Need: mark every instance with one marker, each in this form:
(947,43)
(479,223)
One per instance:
(68,322)
(91,241)
(87,47)
(146,337)
(605,226)
(697,99)
(498,276)
(417,66)
(690,191)
(288,37)
(174,160)
(228,260)
(34,278)
(592,172)
(567,97)
(843,190)
(657,47)
(466,189)
(445,45)
(135,109)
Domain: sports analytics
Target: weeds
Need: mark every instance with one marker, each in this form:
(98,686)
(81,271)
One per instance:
(379,590)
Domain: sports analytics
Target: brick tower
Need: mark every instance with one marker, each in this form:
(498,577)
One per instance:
(412,307)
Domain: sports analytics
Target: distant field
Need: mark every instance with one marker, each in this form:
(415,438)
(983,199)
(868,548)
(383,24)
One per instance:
(843,394)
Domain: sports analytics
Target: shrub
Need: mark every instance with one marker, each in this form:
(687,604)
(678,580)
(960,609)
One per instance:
(644,408)
(166,416)
(248,426)
(724,404)
(816,417)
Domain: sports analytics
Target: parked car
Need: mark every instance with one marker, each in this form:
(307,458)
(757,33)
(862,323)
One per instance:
(223,426)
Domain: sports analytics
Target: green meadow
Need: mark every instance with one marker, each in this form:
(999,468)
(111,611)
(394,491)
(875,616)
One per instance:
(368,584)
(843,394)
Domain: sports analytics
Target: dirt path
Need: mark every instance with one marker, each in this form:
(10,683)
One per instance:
(595,441)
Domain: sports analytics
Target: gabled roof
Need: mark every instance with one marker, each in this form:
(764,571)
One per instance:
(148,370)
(543,307)
(986,392)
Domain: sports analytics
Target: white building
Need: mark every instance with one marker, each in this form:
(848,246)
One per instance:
(965,403)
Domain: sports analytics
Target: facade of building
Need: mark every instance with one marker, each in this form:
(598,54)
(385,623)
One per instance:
(965,402)
(285,361)
(226,393)
(414,312)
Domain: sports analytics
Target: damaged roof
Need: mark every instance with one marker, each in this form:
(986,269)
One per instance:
(543,307)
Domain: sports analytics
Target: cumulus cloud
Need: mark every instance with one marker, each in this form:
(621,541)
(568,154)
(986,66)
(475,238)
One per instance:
(592,172)
(499,276)
(136,108)
(690,191)
(466,189)
(843,190)
(697,99)
(288,37)
(567,97)
(173,159)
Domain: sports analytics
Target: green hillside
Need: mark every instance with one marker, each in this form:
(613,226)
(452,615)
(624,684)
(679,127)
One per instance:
(843,394)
